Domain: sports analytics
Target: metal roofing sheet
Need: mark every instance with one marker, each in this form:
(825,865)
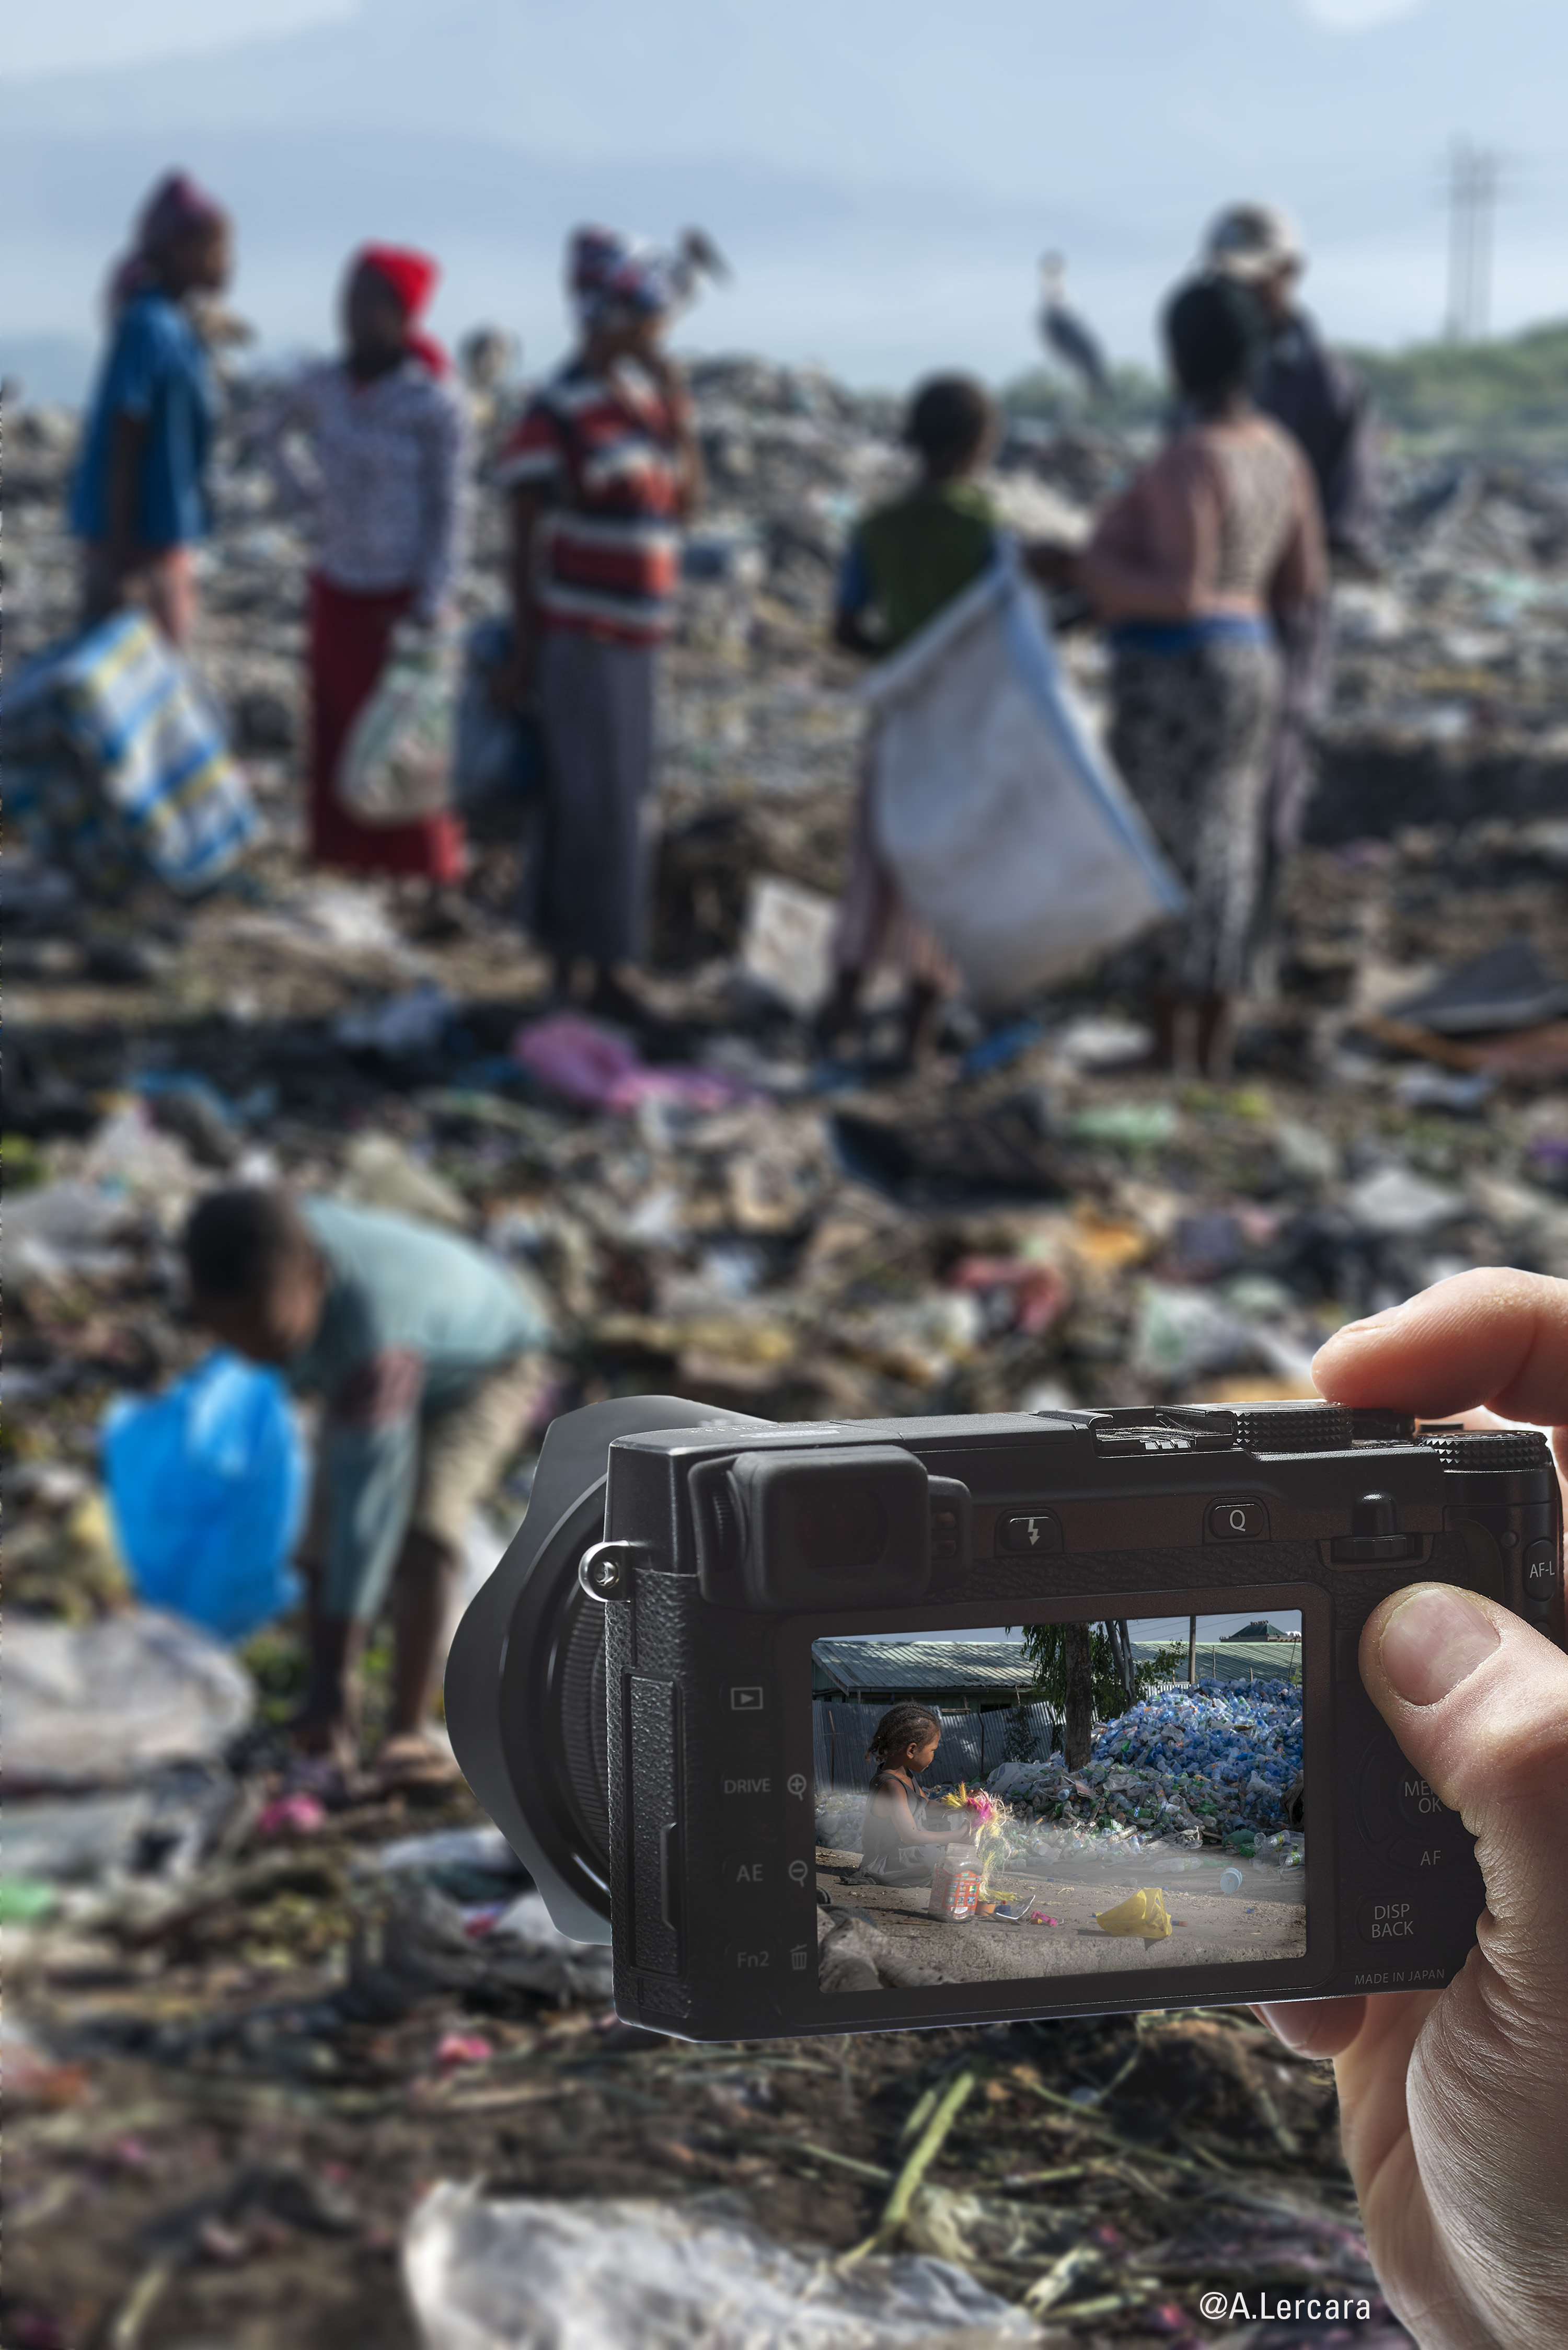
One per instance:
(925,1664)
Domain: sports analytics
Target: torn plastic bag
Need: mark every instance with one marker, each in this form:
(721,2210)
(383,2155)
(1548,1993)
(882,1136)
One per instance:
(536,2274)
(1007,827)
(207,1484)
(113,1701)
(397,764)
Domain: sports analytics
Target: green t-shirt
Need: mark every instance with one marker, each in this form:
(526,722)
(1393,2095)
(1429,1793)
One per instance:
(911,558)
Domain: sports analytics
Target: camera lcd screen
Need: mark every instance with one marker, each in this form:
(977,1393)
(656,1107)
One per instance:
(993,1805)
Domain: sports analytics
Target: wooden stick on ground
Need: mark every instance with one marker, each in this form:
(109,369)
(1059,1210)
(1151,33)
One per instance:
(925,2151)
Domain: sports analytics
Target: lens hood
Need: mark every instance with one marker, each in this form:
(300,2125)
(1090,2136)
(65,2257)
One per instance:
(526,1699)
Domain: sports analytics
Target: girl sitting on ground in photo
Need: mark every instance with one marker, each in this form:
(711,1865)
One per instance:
(896,1848)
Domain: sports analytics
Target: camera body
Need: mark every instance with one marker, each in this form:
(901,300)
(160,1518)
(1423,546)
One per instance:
(730,1547)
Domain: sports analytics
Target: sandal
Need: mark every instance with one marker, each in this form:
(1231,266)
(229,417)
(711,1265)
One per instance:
(409,1761)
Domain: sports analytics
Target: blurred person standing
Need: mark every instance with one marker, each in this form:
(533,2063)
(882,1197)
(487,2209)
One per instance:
(602,470)
(1309,390)
(1216,543)
(906,563)
(386,482)
(139,498)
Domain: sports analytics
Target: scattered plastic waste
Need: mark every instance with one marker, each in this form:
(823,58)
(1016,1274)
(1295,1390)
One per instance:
(597,1069)
(300,1815)
(1142,1913)
(412,1022)
(786,947)
(1232,1881)
(207,1486)
(379,1171)
(539,2275)
(1222,1758)
(115,1699)
(1395,1201)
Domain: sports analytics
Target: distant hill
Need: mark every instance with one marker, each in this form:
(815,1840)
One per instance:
(1492,397)
(1511,394)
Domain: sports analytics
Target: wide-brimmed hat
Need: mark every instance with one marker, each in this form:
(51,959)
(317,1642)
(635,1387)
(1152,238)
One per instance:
(1252,241)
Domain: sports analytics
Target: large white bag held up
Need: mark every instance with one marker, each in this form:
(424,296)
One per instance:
(1009,831)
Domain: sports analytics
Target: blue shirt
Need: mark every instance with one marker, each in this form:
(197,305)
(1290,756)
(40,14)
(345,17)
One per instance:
(156,370)
(413,1319)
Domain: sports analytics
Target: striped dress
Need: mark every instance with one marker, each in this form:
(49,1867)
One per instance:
(604,454)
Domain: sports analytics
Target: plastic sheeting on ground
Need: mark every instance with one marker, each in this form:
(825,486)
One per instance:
(115,1699)
(630,2275)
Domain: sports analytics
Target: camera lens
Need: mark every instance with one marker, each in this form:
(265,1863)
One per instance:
(526,1700)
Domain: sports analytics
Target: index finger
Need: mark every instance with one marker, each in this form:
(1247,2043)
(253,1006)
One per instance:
(1494,1337)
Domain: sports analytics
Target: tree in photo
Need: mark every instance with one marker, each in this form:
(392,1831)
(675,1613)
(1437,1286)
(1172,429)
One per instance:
(1087,1673)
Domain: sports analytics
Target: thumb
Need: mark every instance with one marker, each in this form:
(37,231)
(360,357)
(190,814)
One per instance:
(1479,1703)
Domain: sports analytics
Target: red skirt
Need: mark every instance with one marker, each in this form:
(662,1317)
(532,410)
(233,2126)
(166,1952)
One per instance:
(349,639)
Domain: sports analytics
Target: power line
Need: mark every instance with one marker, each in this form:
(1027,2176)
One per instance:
(1474,176)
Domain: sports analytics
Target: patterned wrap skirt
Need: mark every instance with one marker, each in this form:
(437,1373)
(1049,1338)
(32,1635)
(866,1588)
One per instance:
(1193,735)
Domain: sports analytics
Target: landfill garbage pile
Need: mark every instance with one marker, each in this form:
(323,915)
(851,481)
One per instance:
(244,2029)
(1218,1761)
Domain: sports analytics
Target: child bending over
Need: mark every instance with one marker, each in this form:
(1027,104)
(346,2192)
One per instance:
(423,1350)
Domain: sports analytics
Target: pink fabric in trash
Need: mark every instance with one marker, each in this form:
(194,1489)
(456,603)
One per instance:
(598,1069)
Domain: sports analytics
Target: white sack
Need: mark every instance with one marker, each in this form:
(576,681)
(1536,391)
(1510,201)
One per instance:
(1008,829)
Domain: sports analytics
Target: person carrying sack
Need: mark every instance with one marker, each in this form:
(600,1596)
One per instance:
(386,433)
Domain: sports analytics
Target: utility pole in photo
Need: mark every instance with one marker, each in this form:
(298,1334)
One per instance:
(1473,175)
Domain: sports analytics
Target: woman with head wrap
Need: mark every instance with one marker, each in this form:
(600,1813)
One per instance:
(1215,542)
(374,446)
(603,469)
(139,498)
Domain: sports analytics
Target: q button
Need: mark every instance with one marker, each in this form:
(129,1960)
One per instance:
(1237,1521)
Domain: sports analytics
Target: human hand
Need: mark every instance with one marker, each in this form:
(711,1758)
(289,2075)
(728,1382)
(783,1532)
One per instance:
(1452,2102)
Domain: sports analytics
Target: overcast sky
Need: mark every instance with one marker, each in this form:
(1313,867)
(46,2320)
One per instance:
(884,176)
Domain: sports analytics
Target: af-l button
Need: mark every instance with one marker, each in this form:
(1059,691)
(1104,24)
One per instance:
(1540,1578)
(1237,1521)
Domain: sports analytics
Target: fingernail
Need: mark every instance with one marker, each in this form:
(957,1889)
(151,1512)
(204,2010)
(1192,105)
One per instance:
(1433,1641)
(1369,1322)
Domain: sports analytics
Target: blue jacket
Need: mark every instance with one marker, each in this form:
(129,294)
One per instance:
(157,371)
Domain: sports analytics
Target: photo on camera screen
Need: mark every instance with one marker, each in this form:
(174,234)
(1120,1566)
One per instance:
(1059,1799)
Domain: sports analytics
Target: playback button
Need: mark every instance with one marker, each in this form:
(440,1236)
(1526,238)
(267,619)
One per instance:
(1024,1537)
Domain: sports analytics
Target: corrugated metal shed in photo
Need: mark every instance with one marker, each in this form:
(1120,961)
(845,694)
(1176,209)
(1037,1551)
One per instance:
(961,1675)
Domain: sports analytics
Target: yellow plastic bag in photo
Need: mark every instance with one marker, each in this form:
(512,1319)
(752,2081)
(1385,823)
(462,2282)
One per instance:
(1142,1913)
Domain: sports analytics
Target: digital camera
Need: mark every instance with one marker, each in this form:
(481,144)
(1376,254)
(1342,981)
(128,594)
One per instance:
(660,1695)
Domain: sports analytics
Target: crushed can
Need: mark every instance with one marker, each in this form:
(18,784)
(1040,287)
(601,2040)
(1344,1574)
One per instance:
(955,1883)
